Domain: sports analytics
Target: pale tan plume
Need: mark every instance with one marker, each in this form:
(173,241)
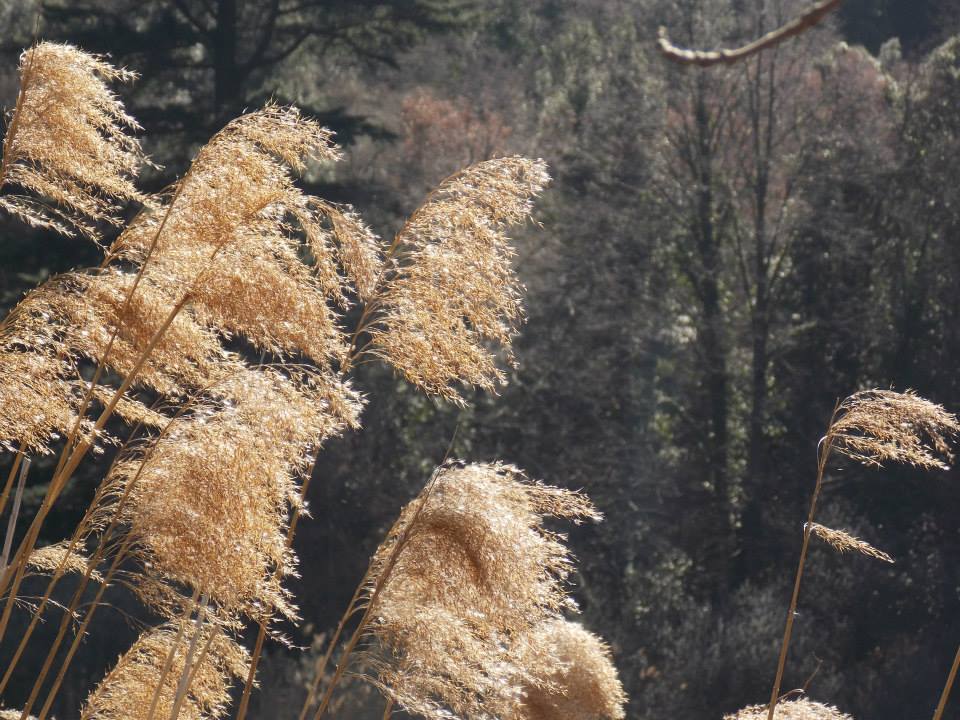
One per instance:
(450,290)
(842,542)
(67,146)
(878,426)
(801,709)
(126,693)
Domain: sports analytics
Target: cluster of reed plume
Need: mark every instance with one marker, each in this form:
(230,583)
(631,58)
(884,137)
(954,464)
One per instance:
(463,604)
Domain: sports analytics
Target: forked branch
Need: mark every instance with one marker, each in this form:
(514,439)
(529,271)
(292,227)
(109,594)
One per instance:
(706,58)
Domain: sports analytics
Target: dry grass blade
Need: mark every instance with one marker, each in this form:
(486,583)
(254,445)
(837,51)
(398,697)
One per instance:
(475,568)
(877,426)
(67,142)
(126,693)
(572,673)
(844,542)
(801,709)
(452,289)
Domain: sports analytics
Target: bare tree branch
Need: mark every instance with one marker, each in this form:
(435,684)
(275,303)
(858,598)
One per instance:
(706,58)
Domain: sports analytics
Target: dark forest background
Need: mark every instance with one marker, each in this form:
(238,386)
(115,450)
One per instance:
(724,254)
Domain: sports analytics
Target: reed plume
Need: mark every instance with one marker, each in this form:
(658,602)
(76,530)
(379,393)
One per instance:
(208,502)
(872,427)
(355,245)
(450,289)
(842,542)
(59,557)
(573,676)
(127,692)
(467,567)
(67,144)
(800,709)
(239,218)
(878,426)
(38,401)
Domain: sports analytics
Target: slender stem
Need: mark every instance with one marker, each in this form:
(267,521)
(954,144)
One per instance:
(9,484)
(183,686)
(78,637)
(14,513)
(378,588)
(388,709)
(321,666)
(826,445)
(168,663)
(262,630)
(941,706)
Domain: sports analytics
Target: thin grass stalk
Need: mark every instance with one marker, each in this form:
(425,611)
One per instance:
(321,666)
(93,561)
(14,513)
(78,637)
(944,696)
(60,479)
(825,447)
(378,588)
(25,80)
(388,710)
(183,685)
(8,486)
(168,662)
(262,630)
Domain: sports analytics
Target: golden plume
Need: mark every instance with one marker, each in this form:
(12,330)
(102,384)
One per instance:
(877,426)
(467,567)
(572,674)
(801,709)
(67,144)
(450,289)
(127,692)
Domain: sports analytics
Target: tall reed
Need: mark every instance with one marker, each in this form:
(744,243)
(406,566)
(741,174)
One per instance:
(871,427)
(198,511)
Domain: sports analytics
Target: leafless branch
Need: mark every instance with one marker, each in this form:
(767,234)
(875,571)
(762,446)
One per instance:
(706,58)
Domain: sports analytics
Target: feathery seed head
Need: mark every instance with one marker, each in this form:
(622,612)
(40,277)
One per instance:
(127,692)
(801,709)
(49,558)
(208,501)
(842,542)
(38,403)
(230,228)
(453,289)
(355,245)
(876,426)
(467,567)
(67,142)
(573,675)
